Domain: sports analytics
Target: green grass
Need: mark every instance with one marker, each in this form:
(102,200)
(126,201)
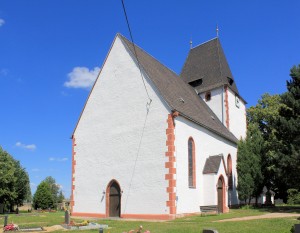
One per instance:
(34,219)
(192,224)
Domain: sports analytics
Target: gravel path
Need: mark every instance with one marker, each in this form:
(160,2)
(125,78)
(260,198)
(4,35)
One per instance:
(271,215)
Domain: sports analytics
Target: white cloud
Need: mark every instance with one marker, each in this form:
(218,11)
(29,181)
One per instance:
(32,184)
(2,22)
(58,159)
(27,147)
(82,77)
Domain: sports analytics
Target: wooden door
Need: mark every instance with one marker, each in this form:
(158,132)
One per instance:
(220,196)
(114,200)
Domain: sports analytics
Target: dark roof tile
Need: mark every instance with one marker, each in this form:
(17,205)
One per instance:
(208,62)
(212,164)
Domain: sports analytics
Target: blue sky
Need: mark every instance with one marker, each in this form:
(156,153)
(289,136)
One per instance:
(51,51)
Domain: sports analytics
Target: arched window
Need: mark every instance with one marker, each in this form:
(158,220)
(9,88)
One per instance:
(229,169)
(191,163)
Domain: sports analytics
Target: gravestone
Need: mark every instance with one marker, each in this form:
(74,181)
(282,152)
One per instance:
(297,228)
(5,220)
(67,217)
(209,231)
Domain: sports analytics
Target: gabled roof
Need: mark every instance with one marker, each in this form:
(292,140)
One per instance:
(212,164)
(208,62)
(178,95)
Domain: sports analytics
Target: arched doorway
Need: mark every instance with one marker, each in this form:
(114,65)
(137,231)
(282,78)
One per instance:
(113,199)
(221,195)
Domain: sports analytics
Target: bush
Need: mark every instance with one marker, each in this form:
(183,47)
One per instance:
(293,197)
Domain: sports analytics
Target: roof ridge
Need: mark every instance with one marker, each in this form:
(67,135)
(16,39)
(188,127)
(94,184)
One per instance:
(205,42)
(123,37)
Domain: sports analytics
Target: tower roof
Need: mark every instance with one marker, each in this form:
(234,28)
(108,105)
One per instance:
(206,68)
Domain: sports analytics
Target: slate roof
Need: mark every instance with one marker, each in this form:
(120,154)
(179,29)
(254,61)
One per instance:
(178,95)
(208,62)
(212,164)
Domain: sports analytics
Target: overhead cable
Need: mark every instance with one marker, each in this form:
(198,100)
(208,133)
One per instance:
(135,54)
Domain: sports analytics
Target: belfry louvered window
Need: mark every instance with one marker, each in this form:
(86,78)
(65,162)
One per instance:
(191,163)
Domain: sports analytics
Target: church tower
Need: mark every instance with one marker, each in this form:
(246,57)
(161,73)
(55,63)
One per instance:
(207,71)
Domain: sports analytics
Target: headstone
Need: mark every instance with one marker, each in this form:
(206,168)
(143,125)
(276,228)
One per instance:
(297,228)
(209,231)
(5,220)
(100,230)
(67,217)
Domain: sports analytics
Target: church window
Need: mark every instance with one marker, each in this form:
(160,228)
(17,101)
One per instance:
(237,101)
(191,163)
(229,169)
(207,96)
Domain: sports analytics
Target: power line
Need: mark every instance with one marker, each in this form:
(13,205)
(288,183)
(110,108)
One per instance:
(148,107)
(131,37)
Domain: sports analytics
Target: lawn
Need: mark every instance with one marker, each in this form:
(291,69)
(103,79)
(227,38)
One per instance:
(190,224)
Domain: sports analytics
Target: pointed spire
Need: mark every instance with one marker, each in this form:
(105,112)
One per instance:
(191,42)
(217,31)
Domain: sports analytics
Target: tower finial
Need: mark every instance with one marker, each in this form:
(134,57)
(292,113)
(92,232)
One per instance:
(217,30)
(191,44)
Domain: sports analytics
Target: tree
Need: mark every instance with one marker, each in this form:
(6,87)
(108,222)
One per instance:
(288,133)
(22,185)
(14,181)
(249,164)
(56,195)
(265,114)
(43,197)
(7,178)
(60,197)
(245,182)
(278,118)
(54,188)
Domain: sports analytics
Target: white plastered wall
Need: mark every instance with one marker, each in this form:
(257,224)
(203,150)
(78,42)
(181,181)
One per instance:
(117,139)
(237,116)
(216,102)
(206,144)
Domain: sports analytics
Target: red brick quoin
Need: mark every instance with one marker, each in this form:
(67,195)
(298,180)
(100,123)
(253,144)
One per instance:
(170,164)
(72,202)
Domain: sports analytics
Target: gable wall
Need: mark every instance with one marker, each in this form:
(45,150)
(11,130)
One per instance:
(206,144)
(117,139)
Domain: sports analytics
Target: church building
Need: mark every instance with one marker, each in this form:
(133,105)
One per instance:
(152,144)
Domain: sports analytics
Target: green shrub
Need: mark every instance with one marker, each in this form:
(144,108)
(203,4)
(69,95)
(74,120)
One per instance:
(293,196)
